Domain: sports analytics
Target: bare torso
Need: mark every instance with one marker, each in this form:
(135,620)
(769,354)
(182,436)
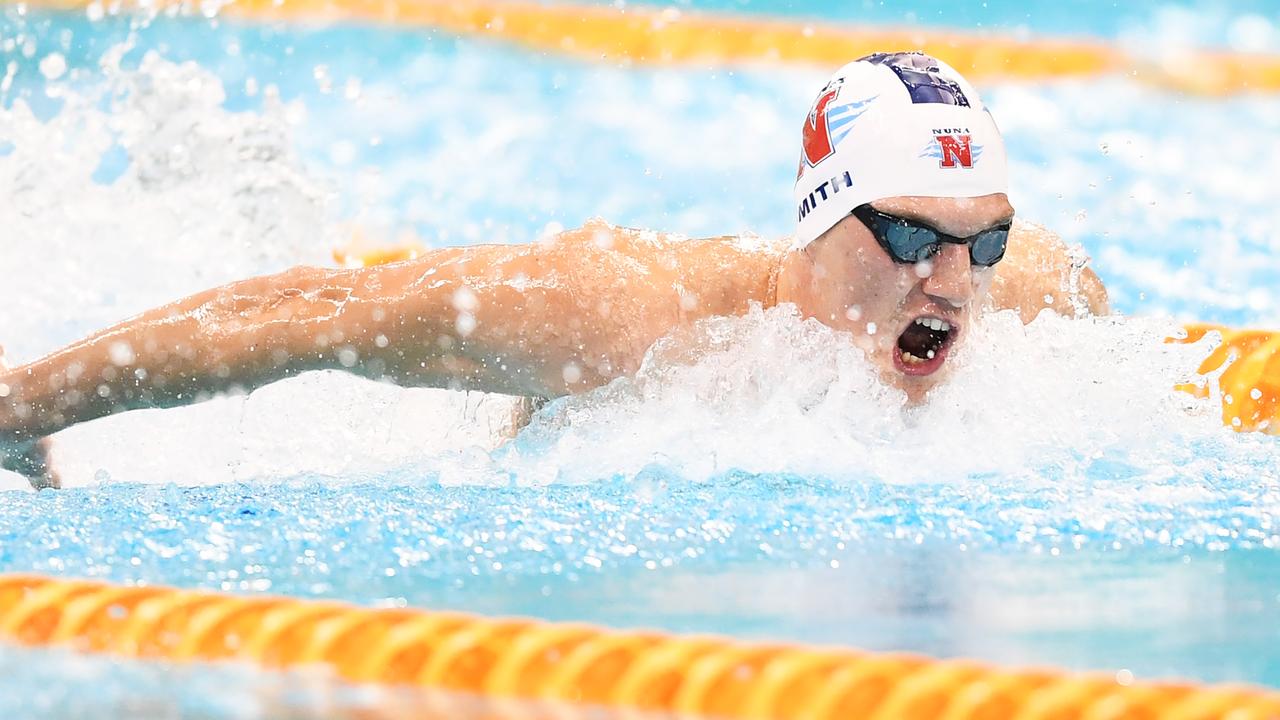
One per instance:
(541,320)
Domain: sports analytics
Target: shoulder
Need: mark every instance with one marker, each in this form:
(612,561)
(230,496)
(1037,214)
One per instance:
(669,257)
(597,236)
(676,276)
(1042,271)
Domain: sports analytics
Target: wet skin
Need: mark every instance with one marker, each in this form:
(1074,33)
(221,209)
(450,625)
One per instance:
(543,319)
(846,280)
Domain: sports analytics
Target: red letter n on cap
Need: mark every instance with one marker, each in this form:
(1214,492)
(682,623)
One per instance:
(956,151)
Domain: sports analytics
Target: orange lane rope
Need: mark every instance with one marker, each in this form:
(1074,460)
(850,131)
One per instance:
(641,35)
(1249,361)
(511,658)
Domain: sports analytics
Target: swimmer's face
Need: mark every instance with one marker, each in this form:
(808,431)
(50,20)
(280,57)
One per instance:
(908,318)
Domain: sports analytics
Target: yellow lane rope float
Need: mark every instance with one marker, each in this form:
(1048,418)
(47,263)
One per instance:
(1249,384)
(512,658)
(643,35)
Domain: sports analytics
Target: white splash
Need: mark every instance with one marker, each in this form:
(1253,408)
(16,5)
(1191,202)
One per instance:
(210,195)
(207,194)
(768,393)
(198,195)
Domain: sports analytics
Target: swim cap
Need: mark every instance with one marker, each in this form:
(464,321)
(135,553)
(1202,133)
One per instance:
(894,124)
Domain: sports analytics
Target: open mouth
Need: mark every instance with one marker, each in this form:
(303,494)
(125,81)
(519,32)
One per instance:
(922,347)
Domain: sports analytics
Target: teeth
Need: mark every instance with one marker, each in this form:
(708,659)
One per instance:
(934,323)
(910,359)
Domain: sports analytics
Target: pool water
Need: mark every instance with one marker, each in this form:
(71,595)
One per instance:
(1056,504)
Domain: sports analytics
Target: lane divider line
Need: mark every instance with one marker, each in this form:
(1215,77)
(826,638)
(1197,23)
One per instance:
(642,35)
(505,658)
(1250,383)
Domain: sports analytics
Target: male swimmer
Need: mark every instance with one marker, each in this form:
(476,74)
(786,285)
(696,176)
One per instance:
(905,234)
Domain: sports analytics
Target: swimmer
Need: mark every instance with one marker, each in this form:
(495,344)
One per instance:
(905,235)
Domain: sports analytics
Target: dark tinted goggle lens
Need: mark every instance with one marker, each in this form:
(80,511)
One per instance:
(907,242)
(987,247)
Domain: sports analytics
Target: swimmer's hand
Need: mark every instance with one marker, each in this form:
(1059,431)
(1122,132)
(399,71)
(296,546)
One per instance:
(29,457)
(32,460)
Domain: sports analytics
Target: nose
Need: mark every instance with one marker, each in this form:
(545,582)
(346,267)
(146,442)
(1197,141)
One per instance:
(952,278)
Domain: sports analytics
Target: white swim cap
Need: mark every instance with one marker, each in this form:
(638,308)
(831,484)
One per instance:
(894,124)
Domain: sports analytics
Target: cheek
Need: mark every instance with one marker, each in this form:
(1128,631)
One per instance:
(889,286)
(874,288)
(878,300)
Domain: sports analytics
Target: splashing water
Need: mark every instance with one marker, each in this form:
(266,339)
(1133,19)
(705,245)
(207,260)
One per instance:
(207,194)
(767,393)
(218,195)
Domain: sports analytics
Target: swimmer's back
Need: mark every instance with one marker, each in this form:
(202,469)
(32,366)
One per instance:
(643,284)
(562,315)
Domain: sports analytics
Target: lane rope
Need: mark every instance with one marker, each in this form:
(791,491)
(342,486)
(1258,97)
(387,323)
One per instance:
(579,664)
(637,35)
(1249,384)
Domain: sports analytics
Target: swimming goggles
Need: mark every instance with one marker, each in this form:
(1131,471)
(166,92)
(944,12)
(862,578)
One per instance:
(910,242)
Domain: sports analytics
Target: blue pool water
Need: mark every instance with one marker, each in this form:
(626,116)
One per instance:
(1057,504)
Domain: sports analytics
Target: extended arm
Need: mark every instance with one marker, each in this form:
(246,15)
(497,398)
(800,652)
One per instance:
(542,319)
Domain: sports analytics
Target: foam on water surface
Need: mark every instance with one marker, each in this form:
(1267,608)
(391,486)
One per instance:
(767,393)
(205,196)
